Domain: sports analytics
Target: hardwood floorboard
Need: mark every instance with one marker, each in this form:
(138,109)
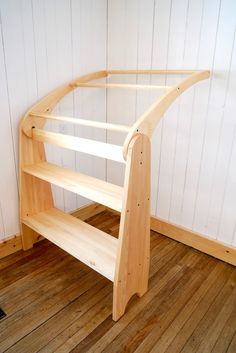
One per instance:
(232,346)
(225,337)
(54,303)
(20,255)
(200,335)
(154,313)
(178,341)
(161,333)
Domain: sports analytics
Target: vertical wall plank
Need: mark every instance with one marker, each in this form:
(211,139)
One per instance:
(189,60)
(176,48)
(89,35)
(193,174)
(42,45)
(123,19)
(160,48)
(227,218)
(13,42)
(45,37)
(208,35)
(8,180)
(214,121)
(63,38)
(144,61)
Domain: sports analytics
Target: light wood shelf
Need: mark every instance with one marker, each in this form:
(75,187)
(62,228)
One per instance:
(94,189)
(86,243)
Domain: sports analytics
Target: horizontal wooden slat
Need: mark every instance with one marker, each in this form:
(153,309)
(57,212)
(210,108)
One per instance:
(121,85)
(86,243)
(94,189)
(83,122)
(95,148)
(150,72)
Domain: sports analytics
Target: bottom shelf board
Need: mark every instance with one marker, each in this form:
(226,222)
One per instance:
(90,245)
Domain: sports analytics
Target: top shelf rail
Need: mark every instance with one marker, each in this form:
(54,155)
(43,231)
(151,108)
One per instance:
(120,85)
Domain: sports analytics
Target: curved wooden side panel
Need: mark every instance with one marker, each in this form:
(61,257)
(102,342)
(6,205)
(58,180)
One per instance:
(147,123)
(133,255)
(46,104)
(36,194)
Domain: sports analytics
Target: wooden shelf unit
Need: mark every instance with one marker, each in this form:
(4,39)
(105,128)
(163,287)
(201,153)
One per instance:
(125,260)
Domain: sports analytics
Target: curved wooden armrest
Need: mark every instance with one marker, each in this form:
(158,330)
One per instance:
(147,123)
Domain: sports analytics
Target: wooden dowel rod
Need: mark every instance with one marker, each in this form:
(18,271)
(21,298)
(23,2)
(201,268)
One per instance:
(153,72)
(120,85)
(83,122)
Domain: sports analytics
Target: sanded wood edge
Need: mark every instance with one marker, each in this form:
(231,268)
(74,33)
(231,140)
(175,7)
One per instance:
(13,244)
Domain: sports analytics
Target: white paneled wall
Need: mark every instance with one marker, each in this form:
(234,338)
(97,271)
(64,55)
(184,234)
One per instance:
(194,147)
(44,43)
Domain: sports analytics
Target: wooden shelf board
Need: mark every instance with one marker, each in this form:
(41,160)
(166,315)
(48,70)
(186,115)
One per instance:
(107,194)
(79,144)
(86,243)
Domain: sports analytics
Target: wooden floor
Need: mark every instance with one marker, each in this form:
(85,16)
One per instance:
(54,303)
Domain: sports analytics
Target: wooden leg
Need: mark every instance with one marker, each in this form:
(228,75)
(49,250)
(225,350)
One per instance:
(132,267)
(29,237)
(35,194)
